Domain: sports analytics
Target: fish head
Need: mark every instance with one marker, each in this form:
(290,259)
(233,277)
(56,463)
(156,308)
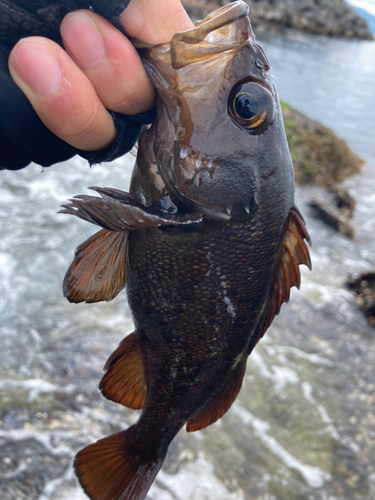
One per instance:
(219,129)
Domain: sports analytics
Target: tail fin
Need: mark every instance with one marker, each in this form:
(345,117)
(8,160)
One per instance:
(113,468)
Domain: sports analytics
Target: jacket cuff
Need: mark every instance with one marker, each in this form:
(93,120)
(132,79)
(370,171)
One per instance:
(128,130)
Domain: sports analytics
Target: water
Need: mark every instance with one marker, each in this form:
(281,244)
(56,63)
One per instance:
(330,80)
(303,426)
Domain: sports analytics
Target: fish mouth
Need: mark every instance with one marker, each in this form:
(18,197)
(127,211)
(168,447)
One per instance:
(211,187)
(235,212)
(212,213)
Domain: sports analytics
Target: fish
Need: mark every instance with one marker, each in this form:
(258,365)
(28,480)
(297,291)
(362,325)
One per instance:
(208,243)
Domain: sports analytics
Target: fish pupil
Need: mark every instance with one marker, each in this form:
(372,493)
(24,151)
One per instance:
(251,106)
(246,106)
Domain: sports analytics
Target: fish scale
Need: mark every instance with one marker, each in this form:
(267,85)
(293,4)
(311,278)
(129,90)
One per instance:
(210,347)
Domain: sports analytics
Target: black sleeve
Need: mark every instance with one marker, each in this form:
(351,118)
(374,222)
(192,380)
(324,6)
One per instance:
(23,136)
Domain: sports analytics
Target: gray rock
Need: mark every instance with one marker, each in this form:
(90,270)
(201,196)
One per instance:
(335,208)
(343,200)
(322,17)
(333,217)
(364,288)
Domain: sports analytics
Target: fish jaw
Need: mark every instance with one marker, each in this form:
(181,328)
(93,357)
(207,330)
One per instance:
(206,157)
(219,187)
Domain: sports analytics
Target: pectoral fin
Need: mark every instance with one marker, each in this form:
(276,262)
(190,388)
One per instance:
(125,380)
(294,252)
(100,268)
(221,403)
(118,211)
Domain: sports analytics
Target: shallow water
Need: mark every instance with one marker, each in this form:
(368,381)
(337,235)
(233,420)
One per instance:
(303,426)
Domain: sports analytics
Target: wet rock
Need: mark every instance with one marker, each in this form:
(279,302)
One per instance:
(330,18)
(344,201)
(364,287)
(335,208)
(318,155)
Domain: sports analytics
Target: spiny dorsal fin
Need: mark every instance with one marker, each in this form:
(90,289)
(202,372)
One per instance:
(125,380)
(293,253)
(100,268)
(221,403)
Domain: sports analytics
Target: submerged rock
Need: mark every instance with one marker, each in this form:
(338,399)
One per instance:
(330,18)
(364,287)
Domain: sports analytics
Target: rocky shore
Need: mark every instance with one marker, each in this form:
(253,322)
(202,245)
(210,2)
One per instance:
(321,158)
(318,155)
(329,18)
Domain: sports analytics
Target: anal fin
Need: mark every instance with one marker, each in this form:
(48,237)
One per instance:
(100,268)
(222,402)
(125,378)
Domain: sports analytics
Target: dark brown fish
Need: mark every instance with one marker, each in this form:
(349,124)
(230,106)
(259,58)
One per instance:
(208,243)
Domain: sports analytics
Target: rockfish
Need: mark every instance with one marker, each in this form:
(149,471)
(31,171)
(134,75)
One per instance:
(208,243)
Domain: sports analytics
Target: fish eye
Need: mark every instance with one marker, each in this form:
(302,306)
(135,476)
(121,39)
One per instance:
(251,106)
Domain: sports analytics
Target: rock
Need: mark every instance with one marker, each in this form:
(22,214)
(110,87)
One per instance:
(335,208)
(198,9)
(364,287)
(318,155)
(344,201)
(333,217)
(328,17)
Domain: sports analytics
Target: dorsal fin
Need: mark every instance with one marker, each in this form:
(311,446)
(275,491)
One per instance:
(125,378)
(293,253)
(99,269)
(222,402)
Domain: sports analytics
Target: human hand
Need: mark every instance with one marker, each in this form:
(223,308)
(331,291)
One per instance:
(100,69)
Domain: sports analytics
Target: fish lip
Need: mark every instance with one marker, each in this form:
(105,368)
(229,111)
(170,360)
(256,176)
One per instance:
(238,211)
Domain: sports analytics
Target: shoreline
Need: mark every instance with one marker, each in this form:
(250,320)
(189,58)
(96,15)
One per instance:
(334,19)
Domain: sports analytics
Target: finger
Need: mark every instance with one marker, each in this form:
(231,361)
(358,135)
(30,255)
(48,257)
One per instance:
(110,62)
(155,21)
(61,94)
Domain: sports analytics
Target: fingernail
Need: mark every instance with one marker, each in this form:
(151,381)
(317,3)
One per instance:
(38,66)
(83,40)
